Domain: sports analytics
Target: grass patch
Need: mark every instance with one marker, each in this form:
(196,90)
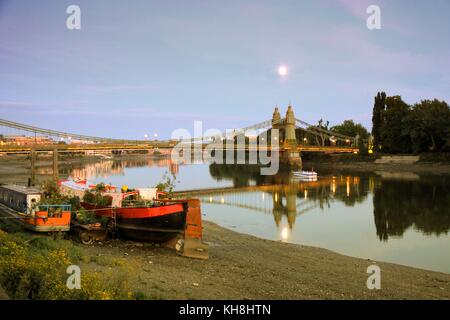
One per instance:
(35,268)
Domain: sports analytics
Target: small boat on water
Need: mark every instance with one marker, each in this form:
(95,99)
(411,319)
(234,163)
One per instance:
(305,175)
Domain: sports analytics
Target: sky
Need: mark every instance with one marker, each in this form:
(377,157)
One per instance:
(145,67)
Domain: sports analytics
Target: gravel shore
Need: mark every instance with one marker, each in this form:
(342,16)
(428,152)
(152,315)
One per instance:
(246,267)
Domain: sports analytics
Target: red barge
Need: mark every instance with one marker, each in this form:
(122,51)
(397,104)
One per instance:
(142,214)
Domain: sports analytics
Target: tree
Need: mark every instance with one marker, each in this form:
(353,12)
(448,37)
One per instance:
(377,119)
(428,125)
(400,128)
(393,130)
(349,128)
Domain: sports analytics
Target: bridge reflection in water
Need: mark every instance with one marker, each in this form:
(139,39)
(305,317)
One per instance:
(283,200)
(106,168)
(398,205)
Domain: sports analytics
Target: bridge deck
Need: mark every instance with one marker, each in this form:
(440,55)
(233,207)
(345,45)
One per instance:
(165,145)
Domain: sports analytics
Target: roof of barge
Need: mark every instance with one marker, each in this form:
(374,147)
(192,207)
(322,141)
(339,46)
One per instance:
(21,189)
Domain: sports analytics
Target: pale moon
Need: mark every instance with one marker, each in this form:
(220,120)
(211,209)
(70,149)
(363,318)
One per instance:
(282,71)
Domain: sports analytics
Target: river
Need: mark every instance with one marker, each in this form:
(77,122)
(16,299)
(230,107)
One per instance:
(399,218)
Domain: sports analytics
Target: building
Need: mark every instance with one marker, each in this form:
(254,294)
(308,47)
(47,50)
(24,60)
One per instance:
(26,140)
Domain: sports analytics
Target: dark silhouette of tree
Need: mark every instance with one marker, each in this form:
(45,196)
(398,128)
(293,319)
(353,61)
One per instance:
(350,128)
(428,125)
(400,128)
(394,134)
(377,119)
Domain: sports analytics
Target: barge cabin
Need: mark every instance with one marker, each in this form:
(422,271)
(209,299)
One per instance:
(23,205)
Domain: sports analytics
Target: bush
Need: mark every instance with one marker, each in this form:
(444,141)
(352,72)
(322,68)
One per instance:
(36,269)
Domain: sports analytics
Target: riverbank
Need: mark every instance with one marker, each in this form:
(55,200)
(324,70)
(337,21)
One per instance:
(428,164)
(246,267)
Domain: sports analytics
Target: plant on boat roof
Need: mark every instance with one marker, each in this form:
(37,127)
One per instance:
(100,187)
(51,195)
(168,183)
(96,198)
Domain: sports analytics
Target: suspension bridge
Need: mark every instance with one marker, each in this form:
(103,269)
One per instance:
(315,138)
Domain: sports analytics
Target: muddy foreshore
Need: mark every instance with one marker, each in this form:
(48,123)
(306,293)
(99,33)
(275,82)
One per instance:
(246,267)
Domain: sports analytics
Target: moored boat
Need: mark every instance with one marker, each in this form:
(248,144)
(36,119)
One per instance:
(138,214)
(305,175)
(21,204)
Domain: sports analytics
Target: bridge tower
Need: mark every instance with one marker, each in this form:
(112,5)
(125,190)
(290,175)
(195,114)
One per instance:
(288,142)
(276,119)
(290,127)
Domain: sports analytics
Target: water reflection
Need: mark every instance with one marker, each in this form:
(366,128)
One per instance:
(106,168)
(398,204)
(424,205)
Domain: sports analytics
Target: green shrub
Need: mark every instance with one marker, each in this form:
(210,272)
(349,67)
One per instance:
(36,269)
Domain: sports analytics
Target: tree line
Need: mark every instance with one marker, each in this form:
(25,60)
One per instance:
(398,127)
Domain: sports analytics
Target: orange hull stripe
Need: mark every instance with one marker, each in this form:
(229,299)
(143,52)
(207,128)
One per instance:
(62,221)
(136,213)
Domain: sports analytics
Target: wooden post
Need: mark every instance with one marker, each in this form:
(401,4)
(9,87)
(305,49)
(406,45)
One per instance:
(55,164)
(33,169)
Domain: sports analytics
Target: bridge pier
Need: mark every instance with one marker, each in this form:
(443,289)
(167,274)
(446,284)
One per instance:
(33,157)
(288,141)
(291,158)
(55,164)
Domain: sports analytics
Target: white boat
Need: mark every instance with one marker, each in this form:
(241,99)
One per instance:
(305,175)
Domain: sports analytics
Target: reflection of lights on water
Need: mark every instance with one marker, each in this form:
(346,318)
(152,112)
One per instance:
(348,186)
(305,192)
(210,199)
(276,197)
(222,200)
(333,187)
(285,234)
(262,195)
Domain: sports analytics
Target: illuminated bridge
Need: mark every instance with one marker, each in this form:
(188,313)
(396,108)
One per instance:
(315,138)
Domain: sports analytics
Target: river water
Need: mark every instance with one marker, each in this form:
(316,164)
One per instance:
(400,218)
